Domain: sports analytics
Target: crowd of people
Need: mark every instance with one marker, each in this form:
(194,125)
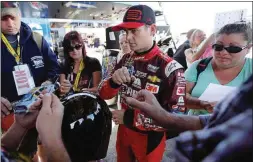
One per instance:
(159,96)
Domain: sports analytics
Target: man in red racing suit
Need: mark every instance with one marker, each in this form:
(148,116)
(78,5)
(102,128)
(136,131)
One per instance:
(138,136)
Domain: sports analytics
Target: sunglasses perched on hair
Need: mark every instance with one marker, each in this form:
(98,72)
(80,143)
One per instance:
(230,49)
(77,47)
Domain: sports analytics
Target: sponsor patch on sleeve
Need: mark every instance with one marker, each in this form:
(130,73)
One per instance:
(180,91)
(172,66)
(145,123)
(152,88)
(154,79)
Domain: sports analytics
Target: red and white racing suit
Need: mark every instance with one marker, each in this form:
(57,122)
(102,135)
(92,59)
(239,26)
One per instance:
(139,138)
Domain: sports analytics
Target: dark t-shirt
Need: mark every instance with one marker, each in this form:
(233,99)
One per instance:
(85,81)
(12,38)
(179,55)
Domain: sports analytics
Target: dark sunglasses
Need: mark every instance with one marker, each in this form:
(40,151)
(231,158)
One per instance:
(77,47)
(230,49)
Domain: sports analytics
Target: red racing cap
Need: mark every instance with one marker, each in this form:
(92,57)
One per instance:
(135,17)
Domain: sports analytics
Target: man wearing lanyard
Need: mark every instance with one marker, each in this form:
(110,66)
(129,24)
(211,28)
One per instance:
(24,65)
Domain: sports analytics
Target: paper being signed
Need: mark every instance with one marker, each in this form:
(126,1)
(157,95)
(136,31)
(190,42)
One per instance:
(216,92)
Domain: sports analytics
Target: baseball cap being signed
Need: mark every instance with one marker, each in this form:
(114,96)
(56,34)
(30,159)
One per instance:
(9,8)
(135,17)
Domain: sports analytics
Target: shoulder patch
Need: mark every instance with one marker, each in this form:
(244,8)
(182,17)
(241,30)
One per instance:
(172,66)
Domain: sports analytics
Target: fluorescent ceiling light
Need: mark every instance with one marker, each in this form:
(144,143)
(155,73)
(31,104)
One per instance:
(79,5)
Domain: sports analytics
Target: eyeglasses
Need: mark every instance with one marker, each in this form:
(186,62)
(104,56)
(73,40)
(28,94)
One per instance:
(77,47)
(230,49)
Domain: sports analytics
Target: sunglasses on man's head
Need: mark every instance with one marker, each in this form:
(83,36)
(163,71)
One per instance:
(77,47)
(230,49)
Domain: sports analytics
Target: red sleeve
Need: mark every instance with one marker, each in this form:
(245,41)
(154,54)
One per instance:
(175,99)
(106,89)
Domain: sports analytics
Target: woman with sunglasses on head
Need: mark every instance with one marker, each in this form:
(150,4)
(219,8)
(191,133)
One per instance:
(228,66)
(79,72)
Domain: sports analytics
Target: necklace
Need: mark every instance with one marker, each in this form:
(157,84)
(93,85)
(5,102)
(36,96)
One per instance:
(13,41)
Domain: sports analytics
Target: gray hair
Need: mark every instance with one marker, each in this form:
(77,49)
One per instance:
(10,11)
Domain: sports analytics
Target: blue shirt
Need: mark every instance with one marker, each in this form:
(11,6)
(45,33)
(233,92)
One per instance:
(42,63)
(12,38)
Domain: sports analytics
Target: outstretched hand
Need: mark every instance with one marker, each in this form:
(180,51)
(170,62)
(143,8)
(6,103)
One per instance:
(147,102)
(49,120)
(28,120)
(48,125)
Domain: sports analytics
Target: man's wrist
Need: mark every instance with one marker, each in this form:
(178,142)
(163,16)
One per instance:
(55,144)
(52,143)
(19,128)
(163,116)
(56,151)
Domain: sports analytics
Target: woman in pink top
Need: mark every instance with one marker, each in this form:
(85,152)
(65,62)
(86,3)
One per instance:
(197,37)
(204,51)
(208,52)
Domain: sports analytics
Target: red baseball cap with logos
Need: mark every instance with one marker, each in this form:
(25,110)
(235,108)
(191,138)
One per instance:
(135,17)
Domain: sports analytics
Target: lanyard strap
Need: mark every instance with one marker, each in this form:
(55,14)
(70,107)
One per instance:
(81,67)
(16,54)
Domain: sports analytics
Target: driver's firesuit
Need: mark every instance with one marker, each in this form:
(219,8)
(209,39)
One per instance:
(162,76)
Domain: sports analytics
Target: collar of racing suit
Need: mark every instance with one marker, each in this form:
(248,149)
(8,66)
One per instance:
(144,56)
(143,53)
